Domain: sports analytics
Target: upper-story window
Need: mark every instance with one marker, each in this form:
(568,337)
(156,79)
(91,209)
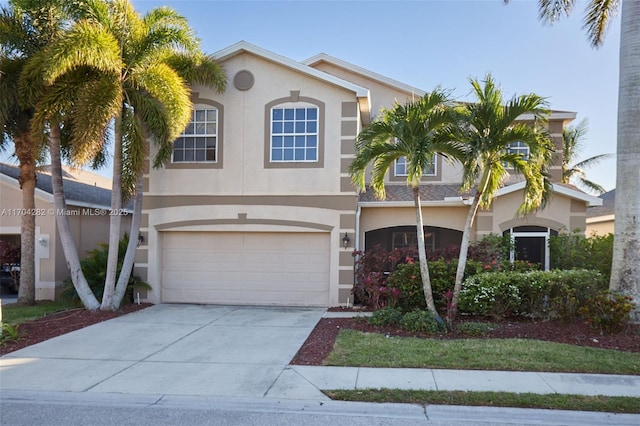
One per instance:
(294,134)
(400,167)
(518,148)
(199,141)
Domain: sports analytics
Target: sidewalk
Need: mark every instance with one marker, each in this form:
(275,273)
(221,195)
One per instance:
(353,378)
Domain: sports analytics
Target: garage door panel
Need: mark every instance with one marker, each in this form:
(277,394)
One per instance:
(246,268)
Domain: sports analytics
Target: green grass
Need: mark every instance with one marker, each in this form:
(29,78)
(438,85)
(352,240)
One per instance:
(16,314)
(357,349)
(612,404)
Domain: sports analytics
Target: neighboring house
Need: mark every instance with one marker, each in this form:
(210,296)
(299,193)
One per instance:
(601,219)
(255,204)
(87,203)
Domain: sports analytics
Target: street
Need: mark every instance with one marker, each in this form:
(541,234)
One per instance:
(96,409)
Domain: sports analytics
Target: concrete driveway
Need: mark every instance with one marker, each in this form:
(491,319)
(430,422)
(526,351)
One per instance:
(173,350)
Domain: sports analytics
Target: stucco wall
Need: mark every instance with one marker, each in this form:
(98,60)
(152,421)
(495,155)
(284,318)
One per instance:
(373,218)
(51,266)
(600,226)
(244,138)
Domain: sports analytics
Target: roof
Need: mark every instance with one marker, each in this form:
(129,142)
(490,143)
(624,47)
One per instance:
(76,193)
(447,194)
(362,93)
(559,188)
(608,205)
(323,57)
(80,175)
(401,193)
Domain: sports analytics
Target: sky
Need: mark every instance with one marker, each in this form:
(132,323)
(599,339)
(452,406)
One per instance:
(429,43)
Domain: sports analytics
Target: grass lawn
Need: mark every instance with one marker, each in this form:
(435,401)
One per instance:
(15,314)
(357,349)
(610,404)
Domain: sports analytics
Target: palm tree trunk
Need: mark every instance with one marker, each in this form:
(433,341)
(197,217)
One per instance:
(127,264)
(422,256)
(64,229)
(462,259)
(27,180)
(625,270)
(114,221)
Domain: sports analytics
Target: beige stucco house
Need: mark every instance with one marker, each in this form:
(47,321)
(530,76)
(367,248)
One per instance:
(601,219)
(88,200)
(255,204)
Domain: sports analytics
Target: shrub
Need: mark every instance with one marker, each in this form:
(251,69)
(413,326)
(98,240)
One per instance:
(422,321)
(408,281)
(494,295)
(535,294)
(574,251)
(94,267)
(472,328)
(372,270)
(10,333)
(386,316)
(608,311)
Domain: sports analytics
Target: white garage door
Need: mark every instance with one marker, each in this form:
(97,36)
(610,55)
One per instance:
(245,268)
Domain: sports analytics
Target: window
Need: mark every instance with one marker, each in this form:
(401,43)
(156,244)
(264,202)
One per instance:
(401,167)
(410,240)
(199,141)
(518,148)
(294,134)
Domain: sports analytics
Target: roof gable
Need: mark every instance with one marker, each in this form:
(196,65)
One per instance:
(379,78)
(362,93)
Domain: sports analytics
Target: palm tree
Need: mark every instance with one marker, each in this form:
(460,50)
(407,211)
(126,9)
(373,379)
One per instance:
(488,129)
(143,65)
(572,145)
(417,131)
(24,31)
(625,270)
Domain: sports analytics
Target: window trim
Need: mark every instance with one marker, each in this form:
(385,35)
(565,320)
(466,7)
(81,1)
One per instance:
(431,177)
(294,97)
(198,103)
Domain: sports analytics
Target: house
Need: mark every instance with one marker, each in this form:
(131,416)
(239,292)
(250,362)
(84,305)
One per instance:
(88,201)
(256,205)
(601,219)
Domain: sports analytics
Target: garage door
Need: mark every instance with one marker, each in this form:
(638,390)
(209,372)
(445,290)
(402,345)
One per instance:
(245,268)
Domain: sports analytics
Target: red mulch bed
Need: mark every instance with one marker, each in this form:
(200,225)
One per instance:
(321,340)
(54,325)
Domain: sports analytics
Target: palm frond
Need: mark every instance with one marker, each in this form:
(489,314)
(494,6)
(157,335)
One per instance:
(199,69)
(489,130)
(552,10)
(593,161)
(84,45)
(164,84)
(598,18)
(591,186)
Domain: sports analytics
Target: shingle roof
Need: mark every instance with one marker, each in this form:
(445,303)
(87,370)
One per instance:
(607,207)
(402,192)
(74,191)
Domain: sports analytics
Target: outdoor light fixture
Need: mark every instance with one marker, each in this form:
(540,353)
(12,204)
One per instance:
(346,240)
(140,238)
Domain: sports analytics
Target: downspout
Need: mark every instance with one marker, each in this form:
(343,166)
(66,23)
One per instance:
(356,244)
